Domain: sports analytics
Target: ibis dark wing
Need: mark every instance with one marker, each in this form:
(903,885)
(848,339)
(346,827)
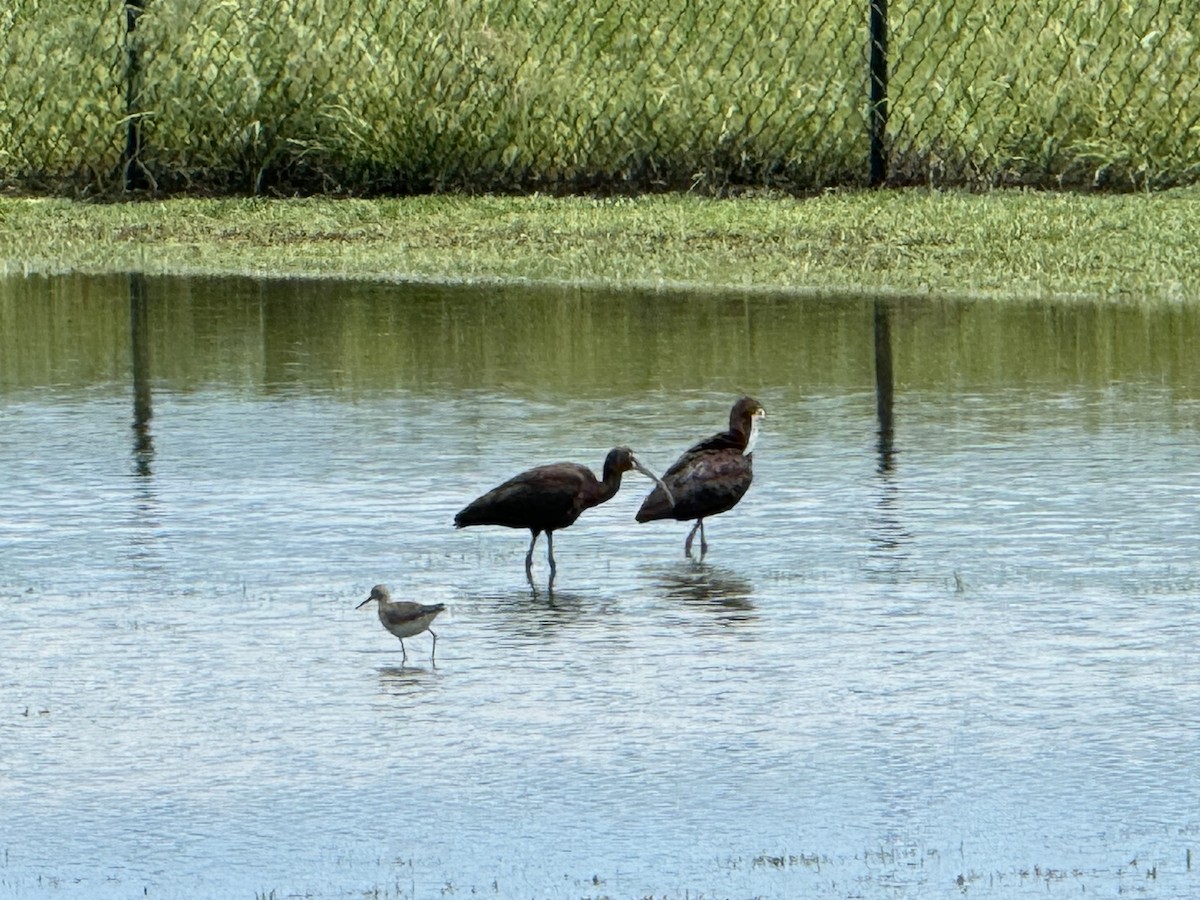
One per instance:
(704,481)
(725,440)
(545,498)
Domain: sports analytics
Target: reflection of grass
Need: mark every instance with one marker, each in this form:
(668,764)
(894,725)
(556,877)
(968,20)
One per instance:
(995,245)
(552,343)
(499,92)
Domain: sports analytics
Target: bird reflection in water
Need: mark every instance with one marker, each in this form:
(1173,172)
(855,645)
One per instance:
(530,615)
(406,680)
(721,590)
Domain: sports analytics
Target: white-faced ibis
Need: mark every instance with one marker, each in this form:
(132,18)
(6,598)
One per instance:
(547,498)
(403,618)
(709,478)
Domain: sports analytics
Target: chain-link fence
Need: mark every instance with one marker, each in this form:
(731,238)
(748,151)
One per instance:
(368,96)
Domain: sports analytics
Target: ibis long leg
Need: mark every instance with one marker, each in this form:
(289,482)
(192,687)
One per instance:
(529,556)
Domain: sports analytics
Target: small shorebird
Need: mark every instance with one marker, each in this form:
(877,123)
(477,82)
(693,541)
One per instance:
(403,618)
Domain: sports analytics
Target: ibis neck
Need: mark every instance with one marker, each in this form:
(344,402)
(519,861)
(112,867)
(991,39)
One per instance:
(608,488)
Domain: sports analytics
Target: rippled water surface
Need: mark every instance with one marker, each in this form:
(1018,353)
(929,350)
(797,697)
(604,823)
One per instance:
(946,646)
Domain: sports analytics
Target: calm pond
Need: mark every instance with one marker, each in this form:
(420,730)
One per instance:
(948,644)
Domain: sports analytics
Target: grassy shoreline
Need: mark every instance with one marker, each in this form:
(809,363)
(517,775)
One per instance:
(997,245)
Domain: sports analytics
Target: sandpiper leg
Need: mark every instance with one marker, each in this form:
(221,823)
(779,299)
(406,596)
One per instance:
(703,543)
(433,653)
(403,650)
(550,552)
(687,545)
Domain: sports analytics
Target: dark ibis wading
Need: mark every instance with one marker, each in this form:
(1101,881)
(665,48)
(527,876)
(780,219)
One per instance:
(547,498)
(709,478)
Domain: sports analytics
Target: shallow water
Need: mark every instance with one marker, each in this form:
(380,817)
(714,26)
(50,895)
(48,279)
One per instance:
(955,657)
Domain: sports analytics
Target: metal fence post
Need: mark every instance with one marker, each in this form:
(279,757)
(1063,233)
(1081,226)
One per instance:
(133,174)
(877,120)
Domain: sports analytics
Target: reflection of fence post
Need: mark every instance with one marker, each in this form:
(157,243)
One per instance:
(877,120)
(143,409)
(134,175)
(884,385)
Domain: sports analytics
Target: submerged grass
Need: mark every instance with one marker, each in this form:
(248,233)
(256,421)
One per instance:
(998,244)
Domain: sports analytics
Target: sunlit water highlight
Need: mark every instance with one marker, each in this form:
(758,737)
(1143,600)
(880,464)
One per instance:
(967,666)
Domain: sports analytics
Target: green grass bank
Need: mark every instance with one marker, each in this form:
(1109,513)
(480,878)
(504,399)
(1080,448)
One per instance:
(1002,244)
